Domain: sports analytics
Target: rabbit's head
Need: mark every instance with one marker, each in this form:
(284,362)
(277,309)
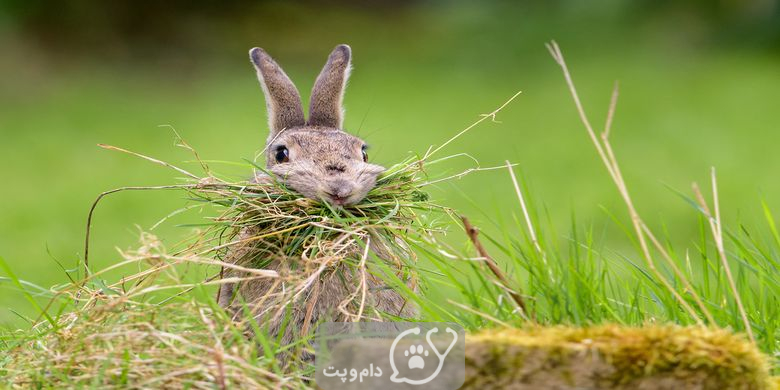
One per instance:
(316,157)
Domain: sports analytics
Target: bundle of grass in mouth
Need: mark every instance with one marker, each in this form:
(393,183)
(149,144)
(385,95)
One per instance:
(337,263)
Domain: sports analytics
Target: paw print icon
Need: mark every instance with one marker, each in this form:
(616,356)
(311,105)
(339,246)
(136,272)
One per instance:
(415,355)
(416,361)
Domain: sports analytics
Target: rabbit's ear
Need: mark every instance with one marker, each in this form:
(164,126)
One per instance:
(281,97)
(326,96)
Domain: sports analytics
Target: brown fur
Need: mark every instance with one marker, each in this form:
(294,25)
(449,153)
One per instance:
(325,163)
(320,302)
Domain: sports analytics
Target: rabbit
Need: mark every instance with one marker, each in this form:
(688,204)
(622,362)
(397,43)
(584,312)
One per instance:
(319,160)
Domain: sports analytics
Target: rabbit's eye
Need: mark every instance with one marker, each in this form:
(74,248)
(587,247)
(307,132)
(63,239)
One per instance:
(282,155)
(365,154)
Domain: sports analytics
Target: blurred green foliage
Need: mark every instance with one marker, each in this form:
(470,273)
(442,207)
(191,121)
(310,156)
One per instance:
(699,88)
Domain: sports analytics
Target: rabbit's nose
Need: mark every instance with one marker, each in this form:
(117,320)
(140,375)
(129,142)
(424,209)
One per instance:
(341,188)
(339,191)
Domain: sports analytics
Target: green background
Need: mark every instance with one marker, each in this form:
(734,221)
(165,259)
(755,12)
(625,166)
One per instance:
(700,85)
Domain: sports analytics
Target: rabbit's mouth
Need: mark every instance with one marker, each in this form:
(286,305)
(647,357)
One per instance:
(337,200)
(341,192)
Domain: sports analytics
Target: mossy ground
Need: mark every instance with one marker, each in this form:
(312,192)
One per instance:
(615,357)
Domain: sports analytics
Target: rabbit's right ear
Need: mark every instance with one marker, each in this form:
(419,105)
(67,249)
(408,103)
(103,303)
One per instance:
(281,97)
(325,108)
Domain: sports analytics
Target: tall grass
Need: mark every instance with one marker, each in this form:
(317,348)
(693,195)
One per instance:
(728,278)
(162,322)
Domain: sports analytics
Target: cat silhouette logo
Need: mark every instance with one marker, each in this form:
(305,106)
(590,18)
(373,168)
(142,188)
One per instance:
(415,355)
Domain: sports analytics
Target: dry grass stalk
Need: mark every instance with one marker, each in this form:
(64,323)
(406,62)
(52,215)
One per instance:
(491,116)
(717,234)
(529,224)
(473,234)
(604,149)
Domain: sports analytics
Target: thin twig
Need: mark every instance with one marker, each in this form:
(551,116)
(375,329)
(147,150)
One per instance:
(315,294)
(152,159)
(530,225)
(722,251)
(182,143)
(611,113)
(480,313)
(483,118)
(473,234)
(363,283)
(556,53)
(464,173)
(100,197)
(717,234)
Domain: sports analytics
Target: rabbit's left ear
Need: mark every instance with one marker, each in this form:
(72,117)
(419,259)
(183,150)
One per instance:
(326,97)
(281,97)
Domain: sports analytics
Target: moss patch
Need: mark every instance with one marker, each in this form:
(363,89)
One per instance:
(614,357)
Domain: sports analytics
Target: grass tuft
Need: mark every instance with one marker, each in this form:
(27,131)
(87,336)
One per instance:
(117,342)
